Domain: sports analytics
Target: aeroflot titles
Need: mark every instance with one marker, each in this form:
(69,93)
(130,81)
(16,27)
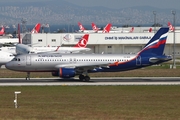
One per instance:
(127,38)
(50,55)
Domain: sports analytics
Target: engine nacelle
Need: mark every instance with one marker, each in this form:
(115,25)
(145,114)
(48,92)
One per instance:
(65,73)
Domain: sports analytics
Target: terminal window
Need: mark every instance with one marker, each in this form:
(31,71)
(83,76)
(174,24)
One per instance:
(53,40)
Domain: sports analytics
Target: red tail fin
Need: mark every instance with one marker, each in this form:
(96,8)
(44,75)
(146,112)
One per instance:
(94,27)
(2,31)
(107,28)
(171,27)
(83,41)
(36,29)
(150,29)
(81,26)
(132,29)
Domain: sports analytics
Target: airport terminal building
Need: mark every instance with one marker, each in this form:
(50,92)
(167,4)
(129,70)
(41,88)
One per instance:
(126,43)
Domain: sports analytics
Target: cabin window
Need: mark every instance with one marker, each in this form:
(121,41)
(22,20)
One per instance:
(39,40)
(109,46)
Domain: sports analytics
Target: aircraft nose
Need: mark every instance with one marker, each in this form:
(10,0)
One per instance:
(8,65)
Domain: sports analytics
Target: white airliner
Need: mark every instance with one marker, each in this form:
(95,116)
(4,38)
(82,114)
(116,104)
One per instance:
(26,49)
(80,46)
(70,65)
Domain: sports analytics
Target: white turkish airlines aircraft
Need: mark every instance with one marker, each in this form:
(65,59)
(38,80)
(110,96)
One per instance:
(12,50)
(80,46)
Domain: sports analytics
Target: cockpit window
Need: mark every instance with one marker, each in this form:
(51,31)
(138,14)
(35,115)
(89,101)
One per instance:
(16,59)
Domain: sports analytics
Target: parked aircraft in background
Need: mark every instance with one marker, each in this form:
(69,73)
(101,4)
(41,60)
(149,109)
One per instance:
(79,47)
(26,49)
(70,65)
(94,27)
(106,29)
(150,29)
(2,31)
(171,27)
(36,29)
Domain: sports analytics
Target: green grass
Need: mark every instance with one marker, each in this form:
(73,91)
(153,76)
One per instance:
(91,103)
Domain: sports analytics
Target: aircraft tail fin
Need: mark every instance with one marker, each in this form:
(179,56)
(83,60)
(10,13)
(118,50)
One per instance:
(81,27)
(94,27)
(36,29)
(150,29)
(83,41)
(132,29)
(157,43)
(2,30)
(171,27)
(107,28)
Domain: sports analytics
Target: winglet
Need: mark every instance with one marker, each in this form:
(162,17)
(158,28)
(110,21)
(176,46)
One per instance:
(83,41)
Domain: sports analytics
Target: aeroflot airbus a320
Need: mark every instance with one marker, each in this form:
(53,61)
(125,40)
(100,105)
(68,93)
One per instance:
(70,65)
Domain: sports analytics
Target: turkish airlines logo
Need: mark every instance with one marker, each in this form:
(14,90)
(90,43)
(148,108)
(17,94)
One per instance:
(81,27)
(82,43)
(94,27)
(105,31)
(67,38)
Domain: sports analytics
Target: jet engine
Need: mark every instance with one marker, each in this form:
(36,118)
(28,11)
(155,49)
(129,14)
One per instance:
(65,73)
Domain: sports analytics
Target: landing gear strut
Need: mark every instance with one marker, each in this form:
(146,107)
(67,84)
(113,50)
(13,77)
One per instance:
(28,76)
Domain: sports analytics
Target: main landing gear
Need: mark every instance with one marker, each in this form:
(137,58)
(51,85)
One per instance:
(84,78)
(28,76)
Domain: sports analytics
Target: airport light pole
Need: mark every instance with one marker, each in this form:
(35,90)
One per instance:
(154,13)
(174,19)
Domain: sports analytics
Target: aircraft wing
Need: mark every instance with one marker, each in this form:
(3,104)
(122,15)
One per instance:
(85,67)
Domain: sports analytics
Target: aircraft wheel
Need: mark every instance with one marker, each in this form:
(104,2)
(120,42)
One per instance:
(86,78)
(81,77)
(27,78)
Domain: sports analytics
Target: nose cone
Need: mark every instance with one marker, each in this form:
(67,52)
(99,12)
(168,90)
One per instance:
(9,65)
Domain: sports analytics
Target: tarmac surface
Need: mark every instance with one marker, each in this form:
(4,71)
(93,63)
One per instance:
(94,81)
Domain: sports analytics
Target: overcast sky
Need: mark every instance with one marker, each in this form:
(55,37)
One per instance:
(128,3)
(173,4)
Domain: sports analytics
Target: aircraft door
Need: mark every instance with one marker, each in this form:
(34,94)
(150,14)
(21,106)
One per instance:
(28,60)
(138,61)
